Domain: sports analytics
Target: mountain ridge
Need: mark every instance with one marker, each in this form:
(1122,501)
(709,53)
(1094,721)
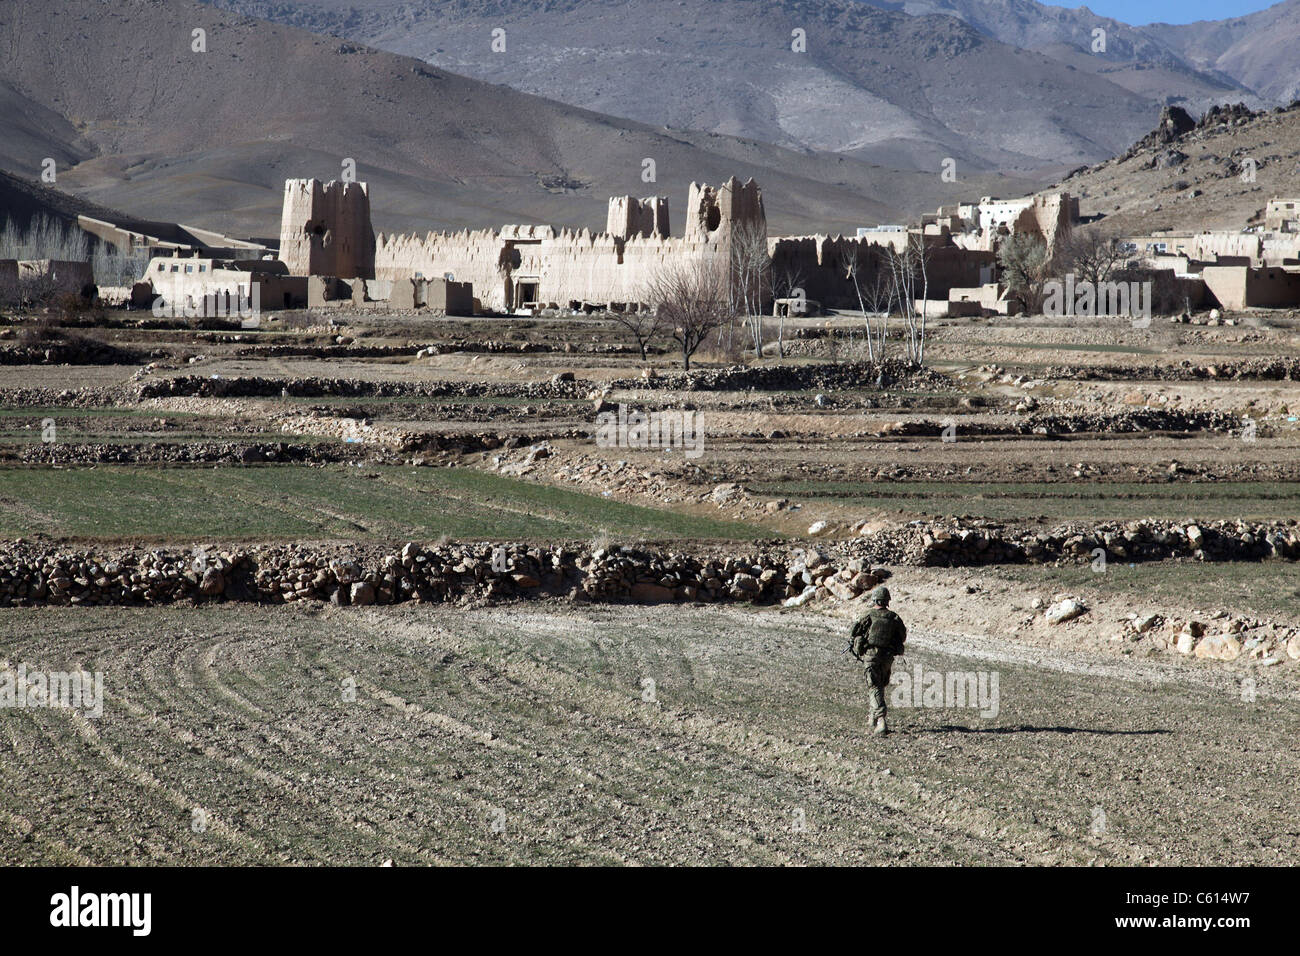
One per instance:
(209,137)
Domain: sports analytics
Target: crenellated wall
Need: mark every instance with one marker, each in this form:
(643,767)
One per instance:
(521,264)
(480,257)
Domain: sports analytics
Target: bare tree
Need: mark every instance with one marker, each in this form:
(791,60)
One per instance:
(693,299)
(644,325)
(48,238)
(787,279)
(1092,253)
(875,299)
(1026,265)
(909,275)
(750,277)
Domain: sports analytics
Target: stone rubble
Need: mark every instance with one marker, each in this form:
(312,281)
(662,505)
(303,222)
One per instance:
(35,574)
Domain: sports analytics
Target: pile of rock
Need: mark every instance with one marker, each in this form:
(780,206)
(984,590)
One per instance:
(1178,126)
(224,453)
(892,374)
(257,386)
(1263,369)
(1223,638)
(30,575)
(74,352)
(961,544)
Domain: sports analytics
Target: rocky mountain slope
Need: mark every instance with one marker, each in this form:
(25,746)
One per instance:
(1188,173)
(1156,62)
(900,90)
(1258,50)
(138,119)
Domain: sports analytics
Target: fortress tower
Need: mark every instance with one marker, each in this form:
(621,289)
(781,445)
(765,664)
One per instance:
(325,229)
(713,214)
(637,217)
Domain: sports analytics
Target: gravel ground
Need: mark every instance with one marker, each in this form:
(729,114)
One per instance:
(529,733)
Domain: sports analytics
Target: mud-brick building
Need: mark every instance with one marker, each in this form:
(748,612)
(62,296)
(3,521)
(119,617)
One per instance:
(325,230)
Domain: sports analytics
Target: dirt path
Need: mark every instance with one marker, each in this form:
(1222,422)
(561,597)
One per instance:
(531,733)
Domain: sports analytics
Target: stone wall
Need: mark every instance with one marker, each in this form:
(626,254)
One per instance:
(569,266)
(480,257)
(359,575)
(32,574)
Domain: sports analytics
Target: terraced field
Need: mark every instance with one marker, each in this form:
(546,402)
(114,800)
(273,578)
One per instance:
(532,734)
(1057,501)
(372,502)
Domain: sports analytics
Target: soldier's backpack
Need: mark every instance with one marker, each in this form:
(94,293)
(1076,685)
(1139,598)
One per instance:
(887,631)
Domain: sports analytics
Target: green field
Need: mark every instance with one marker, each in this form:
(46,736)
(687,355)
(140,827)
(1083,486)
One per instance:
(1057,501)
(300,503)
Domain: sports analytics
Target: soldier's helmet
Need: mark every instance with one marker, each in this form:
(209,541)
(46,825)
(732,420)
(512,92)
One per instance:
(880,596)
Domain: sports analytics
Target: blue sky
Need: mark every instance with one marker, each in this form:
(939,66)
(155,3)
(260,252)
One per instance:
(1138,12)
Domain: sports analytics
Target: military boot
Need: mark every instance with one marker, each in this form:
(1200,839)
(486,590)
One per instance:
(881,727)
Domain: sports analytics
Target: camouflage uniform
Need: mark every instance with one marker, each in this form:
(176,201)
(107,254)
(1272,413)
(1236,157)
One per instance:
(877,637)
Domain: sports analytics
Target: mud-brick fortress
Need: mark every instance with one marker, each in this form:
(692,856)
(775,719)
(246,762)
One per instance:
(326,232)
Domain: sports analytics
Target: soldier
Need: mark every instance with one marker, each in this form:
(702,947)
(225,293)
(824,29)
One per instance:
(878,638)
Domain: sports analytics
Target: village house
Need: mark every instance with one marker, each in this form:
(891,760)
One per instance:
(1236,270)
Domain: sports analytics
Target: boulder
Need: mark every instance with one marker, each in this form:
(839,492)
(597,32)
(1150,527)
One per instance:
(363,593)
(1066,610)
(724,493)
(864,581)
(803,597)
(213,583)
(1145,622)
(839,589)
(1219,647)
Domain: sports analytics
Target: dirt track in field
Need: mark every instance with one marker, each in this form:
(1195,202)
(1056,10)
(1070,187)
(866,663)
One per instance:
(520,734)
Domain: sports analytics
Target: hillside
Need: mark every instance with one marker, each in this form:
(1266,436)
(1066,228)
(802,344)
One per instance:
(22,199)
(1258,50)
(900,90)
(1248,58)
(1193,181)
(1141,60)
(209,137)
